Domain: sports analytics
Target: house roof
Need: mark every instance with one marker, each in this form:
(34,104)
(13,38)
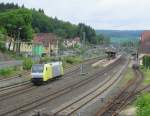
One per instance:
(145,42)
(45,38)
(76,39)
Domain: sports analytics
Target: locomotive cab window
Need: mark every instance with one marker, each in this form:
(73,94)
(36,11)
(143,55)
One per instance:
(37,68)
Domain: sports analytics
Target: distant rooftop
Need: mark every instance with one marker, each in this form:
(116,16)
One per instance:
(145,42)
(45,38)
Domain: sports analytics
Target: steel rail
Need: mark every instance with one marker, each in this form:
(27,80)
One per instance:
(71,108)
(33,104)
(28,86)
(115,104)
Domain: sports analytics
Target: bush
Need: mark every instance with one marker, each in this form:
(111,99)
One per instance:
(47,59)
(72,60)
(27,63)
(143,105)
(69,60)
(2,47)
(146,61)
(6,71)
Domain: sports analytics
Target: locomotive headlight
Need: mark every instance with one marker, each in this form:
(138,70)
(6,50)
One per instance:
(37,75)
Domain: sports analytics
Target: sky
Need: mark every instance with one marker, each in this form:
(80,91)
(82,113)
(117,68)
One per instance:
(99,14)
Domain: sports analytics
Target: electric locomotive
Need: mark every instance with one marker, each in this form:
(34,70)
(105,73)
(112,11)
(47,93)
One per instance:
(44,72)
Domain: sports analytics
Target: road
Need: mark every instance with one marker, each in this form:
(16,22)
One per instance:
(6,64)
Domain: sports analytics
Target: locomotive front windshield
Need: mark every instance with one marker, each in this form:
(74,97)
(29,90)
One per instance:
(37,68)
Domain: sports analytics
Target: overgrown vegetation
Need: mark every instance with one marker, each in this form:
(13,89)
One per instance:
(146,73)
(27,63)
(143,105)
(67,60)
(129,75)
(146,69)
(72,60)
(5,72)
(146,62)
(2,47)
(48,59)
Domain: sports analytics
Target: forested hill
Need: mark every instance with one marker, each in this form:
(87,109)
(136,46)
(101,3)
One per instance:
(13,17)
(120,33)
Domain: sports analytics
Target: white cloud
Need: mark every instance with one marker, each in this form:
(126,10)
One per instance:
(100,14)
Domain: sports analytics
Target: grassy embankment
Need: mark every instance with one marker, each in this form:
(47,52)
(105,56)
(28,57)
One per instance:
(7,72)
(141,106)
(15,70)
(143,101)
(67,60)
(129,75)
(146,73)
(27,64)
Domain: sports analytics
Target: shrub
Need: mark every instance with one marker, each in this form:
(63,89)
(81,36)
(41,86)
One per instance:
(47,59)
(69,60)
(27,63)
(146,61)
(72,60)
(143,105)
(6,71)
(2,47)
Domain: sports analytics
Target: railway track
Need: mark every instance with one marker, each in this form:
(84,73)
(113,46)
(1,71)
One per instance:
(113,107)
(19,75)
(47,98)
(134,96)
(68,70)
(71,107)
(143,89)
(76,68)
(26,86)
(18,89)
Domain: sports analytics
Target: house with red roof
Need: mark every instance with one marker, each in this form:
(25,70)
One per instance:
(49,41)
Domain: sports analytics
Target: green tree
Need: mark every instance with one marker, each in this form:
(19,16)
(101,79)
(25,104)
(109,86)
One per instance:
(89,32)
(27,63)
(12,20)
(13,17)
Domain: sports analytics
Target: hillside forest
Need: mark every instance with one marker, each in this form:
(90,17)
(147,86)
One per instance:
(16,19)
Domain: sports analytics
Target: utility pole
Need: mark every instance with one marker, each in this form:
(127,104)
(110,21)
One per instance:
(18,40)
(82,53)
